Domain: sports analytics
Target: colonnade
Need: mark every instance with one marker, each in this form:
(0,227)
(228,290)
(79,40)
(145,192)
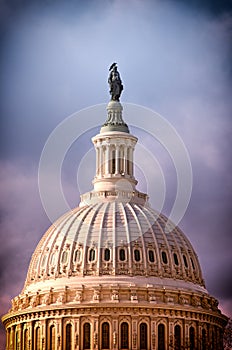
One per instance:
(119,332)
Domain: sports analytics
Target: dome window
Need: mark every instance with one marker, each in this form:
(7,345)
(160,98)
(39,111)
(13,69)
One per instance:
(92,254)
(193,266)
(164,258)
(122,254)
(64,257)
(107,254)
(53,259)
(185,261)
(44,260)
(137,256)
(176,261)
(77,256)
(151,256)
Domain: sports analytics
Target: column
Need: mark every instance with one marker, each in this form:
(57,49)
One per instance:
(77,333)
(117,160)
(107,159)
(96,333)
(97,161)
(8,338)
(135,337)
(100,161)
(130,161)
(12,338)
(125,160)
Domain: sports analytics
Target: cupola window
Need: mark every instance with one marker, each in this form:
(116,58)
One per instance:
(92,254)
(107,254)
(137,255)
(113,162)
(176,261)
(151,256)
(185,261)
(164,258)
(122,254)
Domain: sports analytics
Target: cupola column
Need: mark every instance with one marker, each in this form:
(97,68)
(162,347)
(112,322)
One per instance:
(107,160)
(117,160)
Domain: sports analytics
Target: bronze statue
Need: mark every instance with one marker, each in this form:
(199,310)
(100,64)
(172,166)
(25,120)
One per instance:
(115,82)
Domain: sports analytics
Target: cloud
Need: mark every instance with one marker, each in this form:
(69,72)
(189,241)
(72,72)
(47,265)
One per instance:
(173,58)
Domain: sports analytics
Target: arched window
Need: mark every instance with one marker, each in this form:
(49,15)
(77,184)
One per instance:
(161,337)
(92,254)
(213,340)
(151,256)
(37,339)
(176,261)
(193,266)
(124,336)
(52,338)
(203,340)
(68,338)
(16,340)
(64,257)
(44,260)
(26,340)
(86,336)
(105,335)
(53,259)
(192,338)
(164,258)
(122,254)
(137,255)
(143,336)
(113,162)
(177,336)
(77,256)
(107,254)
(185,261)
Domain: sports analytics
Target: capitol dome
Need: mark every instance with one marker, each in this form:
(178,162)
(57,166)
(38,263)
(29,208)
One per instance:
(116,239)
(114,273)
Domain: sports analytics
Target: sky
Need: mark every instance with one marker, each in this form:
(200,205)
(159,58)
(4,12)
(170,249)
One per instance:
(174,58)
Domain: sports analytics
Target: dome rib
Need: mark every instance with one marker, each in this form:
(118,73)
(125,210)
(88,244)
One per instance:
(114,254)
(140,238)
(100,237)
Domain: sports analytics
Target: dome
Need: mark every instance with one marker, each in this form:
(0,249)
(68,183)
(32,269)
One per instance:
(114,273)
(115,239)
